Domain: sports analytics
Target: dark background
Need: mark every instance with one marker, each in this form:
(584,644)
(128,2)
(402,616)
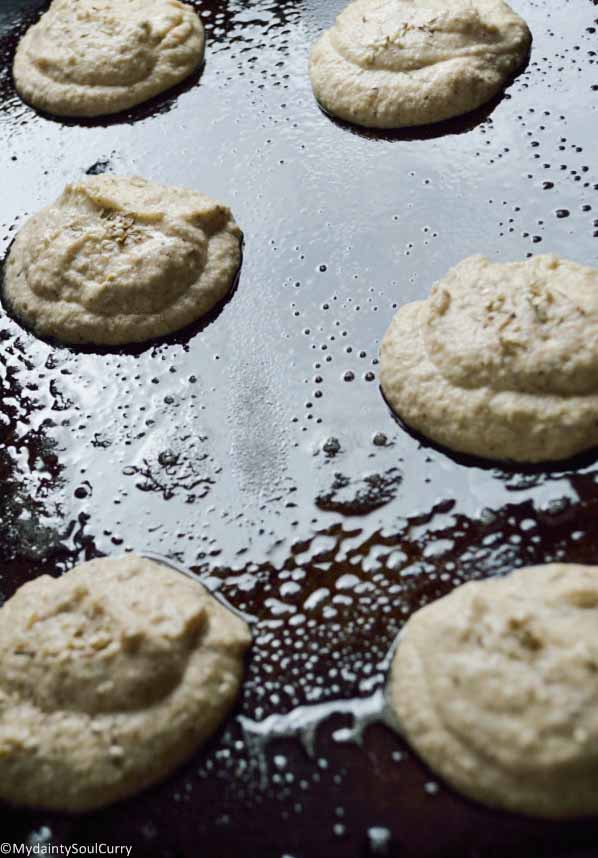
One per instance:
(257,448)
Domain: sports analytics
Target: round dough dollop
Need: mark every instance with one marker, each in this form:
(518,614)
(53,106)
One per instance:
(501,361)
(395,63)
(121,260)
(95,57)
(110,676)
(496,687)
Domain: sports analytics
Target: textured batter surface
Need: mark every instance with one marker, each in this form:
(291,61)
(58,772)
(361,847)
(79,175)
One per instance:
(94,57)
(119,260)
(496,687)
(109,677)
(393,63)
(501,361)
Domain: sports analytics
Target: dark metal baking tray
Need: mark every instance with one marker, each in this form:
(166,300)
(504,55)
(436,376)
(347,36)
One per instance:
(258,450)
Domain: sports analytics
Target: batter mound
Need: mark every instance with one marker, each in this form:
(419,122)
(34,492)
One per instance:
(121,260)
(496,687)
(395,63)
(110,676)
(501,361)
(89,58)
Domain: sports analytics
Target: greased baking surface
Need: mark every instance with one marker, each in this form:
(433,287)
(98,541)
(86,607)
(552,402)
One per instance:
(260,451)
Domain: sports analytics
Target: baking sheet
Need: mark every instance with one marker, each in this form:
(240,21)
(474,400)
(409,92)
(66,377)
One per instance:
(258,450)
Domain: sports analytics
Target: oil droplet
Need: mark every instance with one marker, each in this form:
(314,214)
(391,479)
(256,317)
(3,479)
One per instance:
(378,840)
(331,446)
